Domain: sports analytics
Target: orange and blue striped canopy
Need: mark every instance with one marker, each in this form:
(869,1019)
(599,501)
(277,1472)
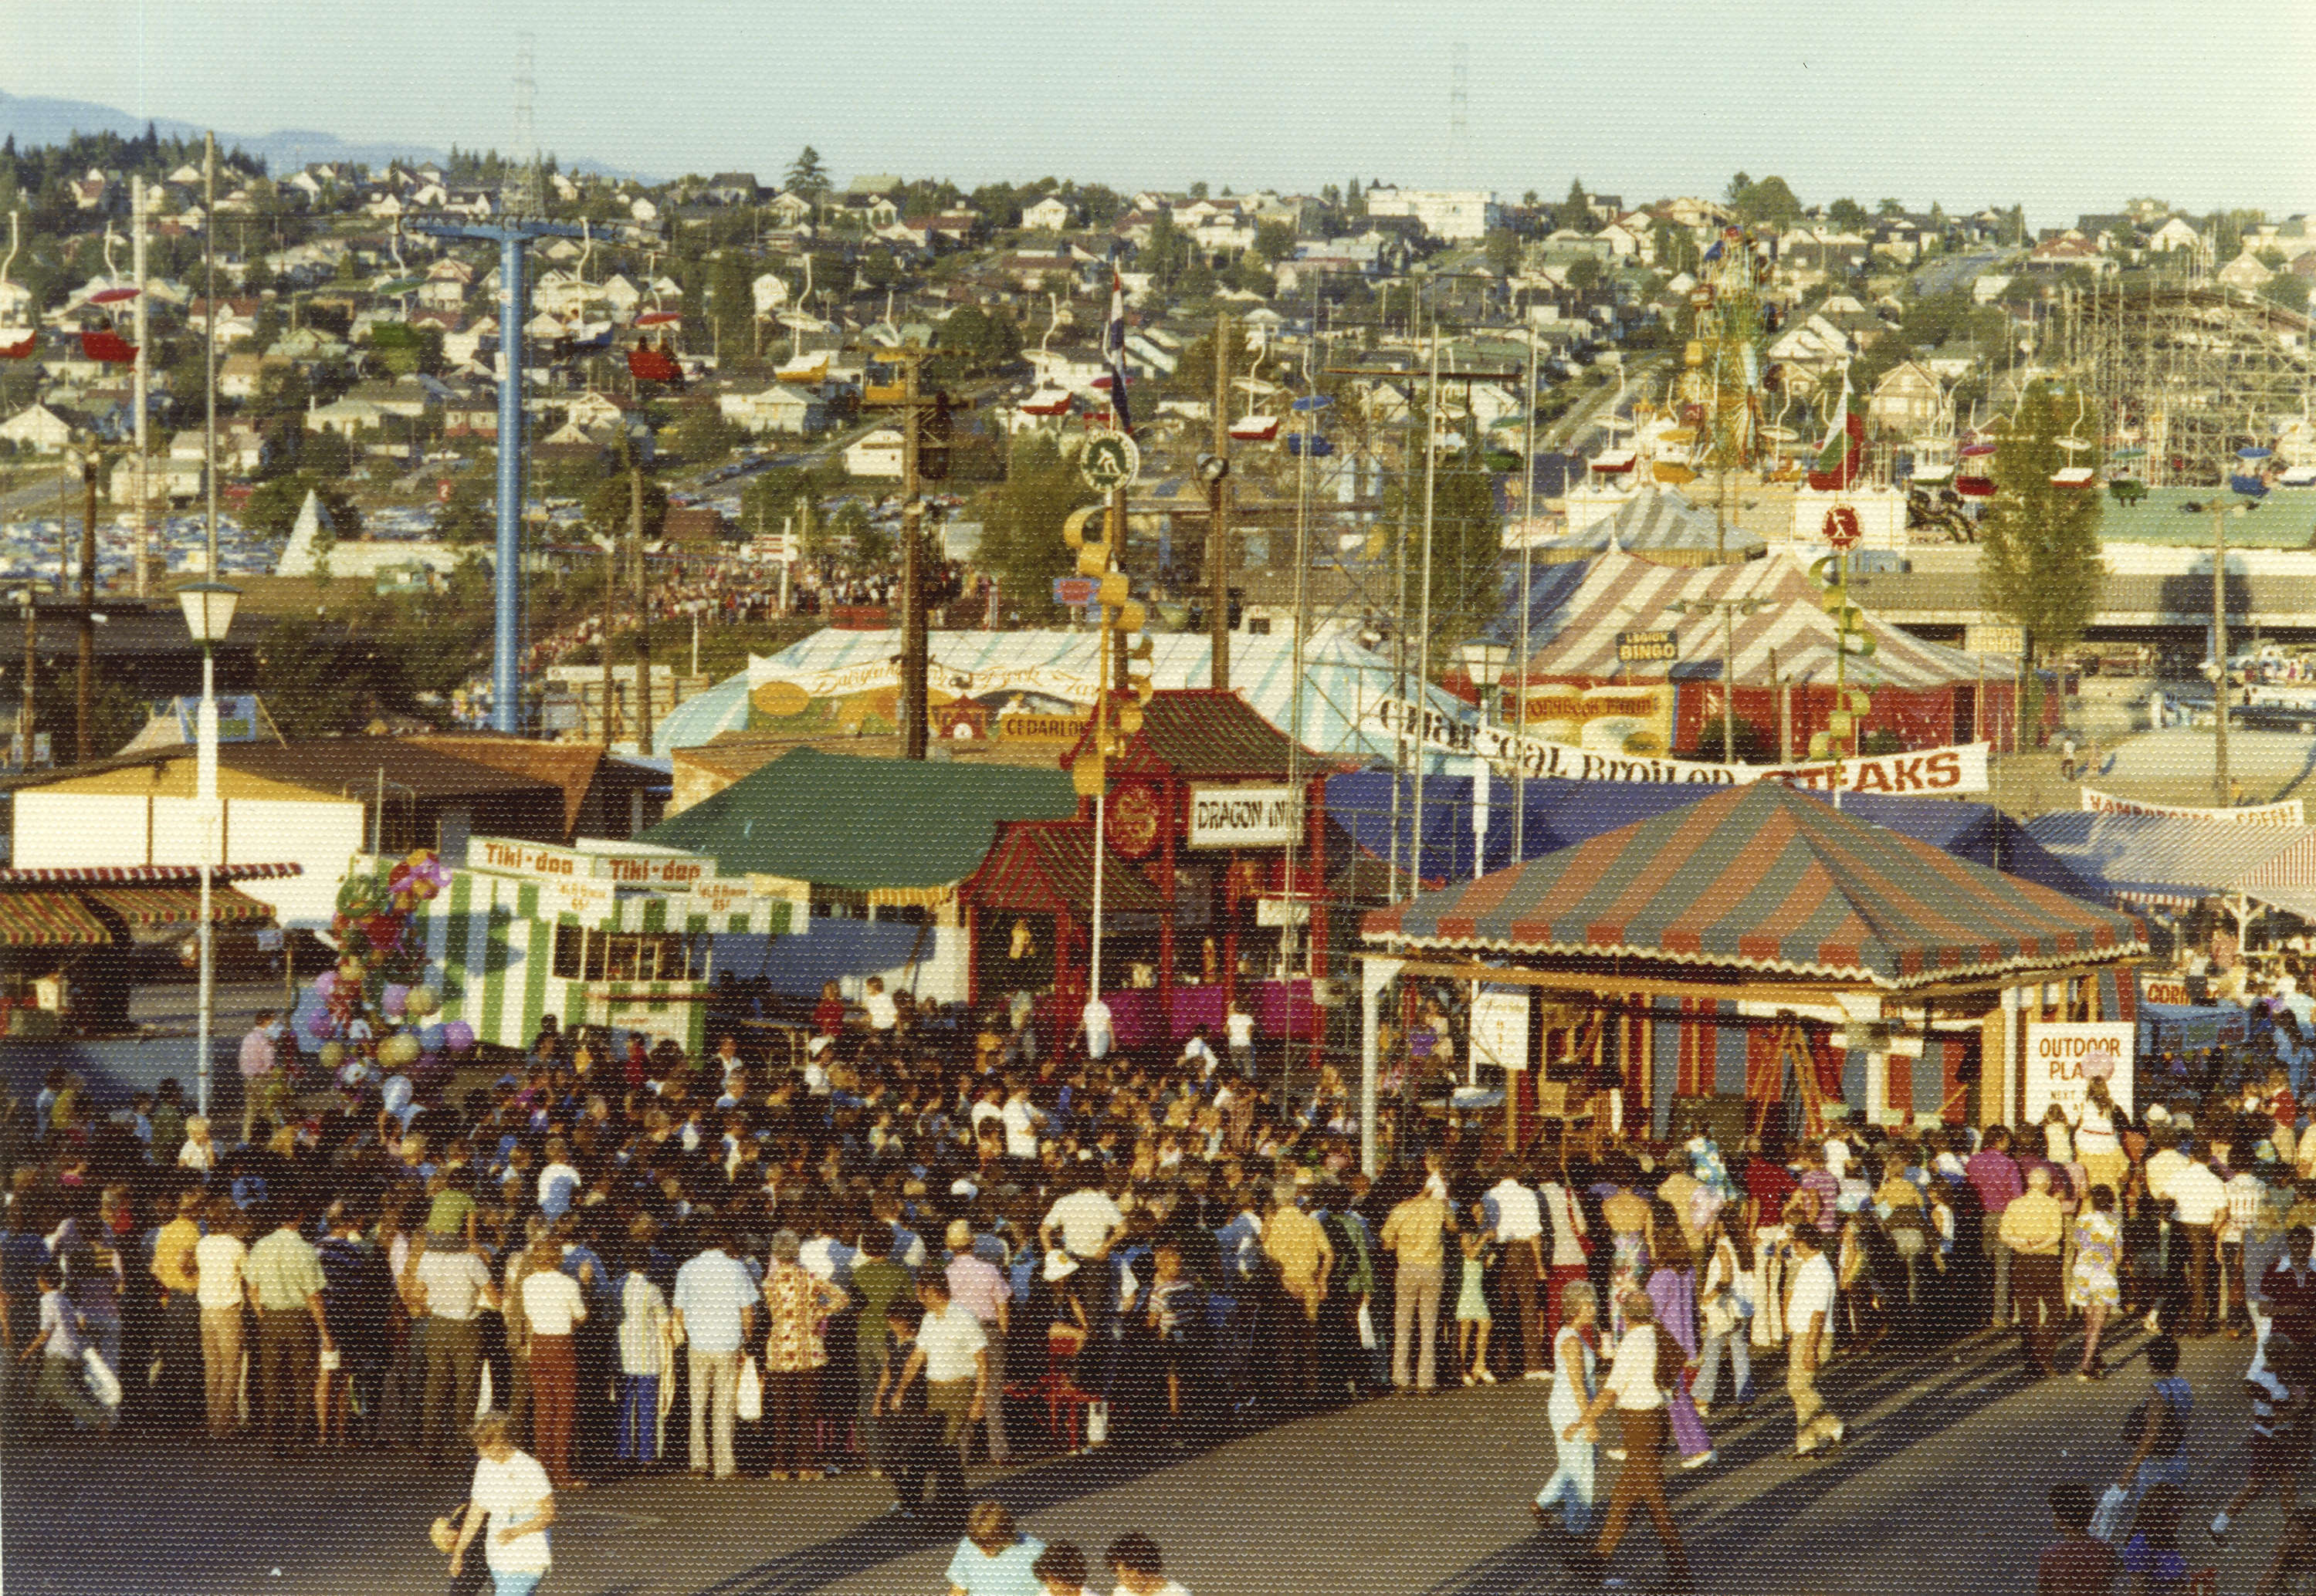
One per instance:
(1765,878)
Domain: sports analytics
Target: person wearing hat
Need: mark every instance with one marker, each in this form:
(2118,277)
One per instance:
(983,1290)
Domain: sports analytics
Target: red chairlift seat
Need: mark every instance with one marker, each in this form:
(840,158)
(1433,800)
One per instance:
(28,340)
(647,364)
(109,347)
(111,296)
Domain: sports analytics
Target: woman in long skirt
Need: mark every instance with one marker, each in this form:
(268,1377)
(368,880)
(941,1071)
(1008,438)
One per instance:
(1573,1379)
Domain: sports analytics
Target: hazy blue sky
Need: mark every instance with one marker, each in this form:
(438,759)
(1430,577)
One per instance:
(2060,105)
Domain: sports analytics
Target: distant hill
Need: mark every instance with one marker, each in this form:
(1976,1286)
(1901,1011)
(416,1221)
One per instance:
(36,122)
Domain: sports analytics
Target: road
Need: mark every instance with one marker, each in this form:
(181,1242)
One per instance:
(1941,1488)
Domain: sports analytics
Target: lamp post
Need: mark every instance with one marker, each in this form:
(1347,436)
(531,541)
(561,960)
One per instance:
(1728,610)
(209,614)
(610,547)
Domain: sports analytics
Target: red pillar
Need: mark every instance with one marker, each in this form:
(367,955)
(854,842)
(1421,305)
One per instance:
(1166,915)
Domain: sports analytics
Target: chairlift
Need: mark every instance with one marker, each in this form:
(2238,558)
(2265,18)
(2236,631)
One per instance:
(105,344)
(18,337)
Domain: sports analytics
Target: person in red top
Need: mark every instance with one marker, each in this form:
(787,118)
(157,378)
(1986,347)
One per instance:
(2075,1565)
(1768,1185)
(828,1014)
(2289,1288)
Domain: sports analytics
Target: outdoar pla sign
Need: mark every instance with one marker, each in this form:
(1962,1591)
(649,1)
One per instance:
(2063,1057)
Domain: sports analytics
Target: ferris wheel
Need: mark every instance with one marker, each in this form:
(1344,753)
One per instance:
(1717,396)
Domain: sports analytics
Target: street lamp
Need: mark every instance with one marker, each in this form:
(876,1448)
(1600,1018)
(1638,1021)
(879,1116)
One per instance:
(1728,609)
(1484,662)
(2222,788)
(209,616)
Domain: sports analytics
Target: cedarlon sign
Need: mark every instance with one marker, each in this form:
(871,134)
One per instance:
(1957,769)
(2062,1059)
(1246,816)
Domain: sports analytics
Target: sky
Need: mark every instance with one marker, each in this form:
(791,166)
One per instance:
(2059,105)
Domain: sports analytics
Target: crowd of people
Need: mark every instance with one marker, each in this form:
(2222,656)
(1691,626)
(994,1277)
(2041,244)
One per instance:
(926,1247)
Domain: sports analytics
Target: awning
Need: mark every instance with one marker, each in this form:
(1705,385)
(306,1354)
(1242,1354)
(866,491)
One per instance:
(49,919)
(1046,867)
(104,875)
(148,909)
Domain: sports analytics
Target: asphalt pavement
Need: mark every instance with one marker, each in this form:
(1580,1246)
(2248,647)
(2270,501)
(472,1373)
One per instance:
(1939,1490)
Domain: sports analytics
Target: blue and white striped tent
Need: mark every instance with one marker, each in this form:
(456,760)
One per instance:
(1343,681)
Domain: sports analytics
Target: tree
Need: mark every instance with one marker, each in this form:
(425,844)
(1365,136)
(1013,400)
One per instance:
(975,339)
(1847,214)
(1737,187)
(468,515)
(325,454)
(1583,272)
(1168,252)
(1504,252)
(806,175)
(2039,559)
(611,508)
(1198,189)
(1273,241)
(1767,203)
(1890,208)
(1466,543)
(1021,527)
(1575,212)
(703,434)
(1193,377)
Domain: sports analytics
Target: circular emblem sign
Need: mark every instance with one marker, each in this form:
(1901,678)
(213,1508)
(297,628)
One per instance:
(1132,822)
(1110,461)
(1841,526)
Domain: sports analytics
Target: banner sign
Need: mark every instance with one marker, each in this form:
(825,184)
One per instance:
(661,873)
(1646,648)
(1940,770)
(2063,1057)
(2163,987)
(2289,814)
(1245,817)
(1499,1029)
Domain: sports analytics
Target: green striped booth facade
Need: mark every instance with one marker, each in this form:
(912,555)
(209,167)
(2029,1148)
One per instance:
(490,943)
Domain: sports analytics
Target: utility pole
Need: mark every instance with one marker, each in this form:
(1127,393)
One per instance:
(642,614)
(1217,475)
(916,663)
(208,340)
(32,671)
(83,694)
(141,564)
(603,642)
(2222,792)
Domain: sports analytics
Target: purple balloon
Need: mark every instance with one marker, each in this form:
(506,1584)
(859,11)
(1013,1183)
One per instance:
(326,983)
(391,1000)
(459,1036)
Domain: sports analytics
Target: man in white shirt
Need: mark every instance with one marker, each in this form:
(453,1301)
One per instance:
(1022,1119)
(217,1288)
(515,1499)
(553,1306)
(1140,1571)
(1101,1030)
(884,1014)
(1809,1319)
(715,1311)
(1638,1392)
(1519,1220)
(451,1285)
(1086,1222)
(952,1353)
(2198,1200)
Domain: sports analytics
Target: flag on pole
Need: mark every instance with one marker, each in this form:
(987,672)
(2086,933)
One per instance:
(1113,349)
(1843,451)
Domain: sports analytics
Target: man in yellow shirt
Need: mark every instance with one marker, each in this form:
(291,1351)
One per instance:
(181,1311)
(2035,1230)
(1416,1232)
(1297,1244)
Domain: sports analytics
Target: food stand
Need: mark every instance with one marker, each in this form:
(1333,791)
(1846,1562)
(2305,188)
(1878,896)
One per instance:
(620,934)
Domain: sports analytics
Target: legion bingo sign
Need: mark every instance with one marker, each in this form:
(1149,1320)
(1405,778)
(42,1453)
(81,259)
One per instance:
(1248,817)
(2062,1059)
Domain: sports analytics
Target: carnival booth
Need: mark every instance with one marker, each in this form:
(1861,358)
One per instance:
(622,935)
(1637,655)
(1762,946)
(1220,819)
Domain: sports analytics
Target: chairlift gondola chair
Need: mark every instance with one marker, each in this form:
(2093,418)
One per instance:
(18,337)
(2251,482)
(105,344)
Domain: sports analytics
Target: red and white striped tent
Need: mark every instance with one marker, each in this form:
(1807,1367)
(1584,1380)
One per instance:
(1928,693)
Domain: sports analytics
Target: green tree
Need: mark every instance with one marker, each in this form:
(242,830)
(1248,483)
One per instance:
(1193,377)
(1021,527)
(2039,559)
(1168,252)
(806,174)
(1890,208)
(1504,252)
(1767,203)
(1583,272)
(975,340)
(1198,189)
(1847,214)
(469,515)
(703,435)
(610,508)
(325,454)
(1466,544)
(1273,241)
(1575,212)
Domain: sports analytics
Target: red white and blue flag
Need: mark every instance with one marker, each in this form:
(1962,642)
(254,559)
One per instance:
(1113,349)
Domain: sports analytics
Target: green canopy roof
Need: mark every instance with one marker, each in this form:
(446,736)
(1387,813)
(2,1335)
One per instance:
(861,824)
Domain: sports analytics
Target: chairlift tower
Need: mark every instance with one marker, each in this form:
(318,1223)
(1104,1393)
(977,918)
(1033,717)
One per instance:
(511,234)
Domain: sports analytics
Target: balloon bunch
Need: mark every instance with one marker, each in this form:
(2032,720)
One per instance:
(376,992)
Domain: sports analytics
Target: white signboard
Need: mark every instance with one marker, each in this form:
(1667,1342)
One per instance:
(658,872)
(1499,1030)
(2062,1059)
(1246,816)
(1956,769)
(2289,813)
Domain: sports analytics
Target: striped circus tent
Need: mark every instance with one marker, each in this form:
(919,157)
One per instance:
(1765,879)
(1341,680)
(1660,525)
(2177,861)
(1770,615)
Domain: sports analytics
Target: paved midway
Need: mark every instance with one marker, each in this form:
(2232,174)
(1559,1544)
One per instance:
(1939,1490)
